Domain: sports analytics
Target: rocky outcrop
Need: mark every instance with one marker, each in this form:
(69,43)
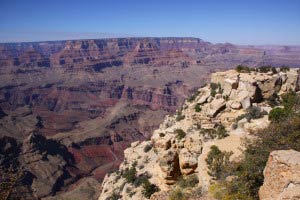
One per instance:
(281,176)
(182,142)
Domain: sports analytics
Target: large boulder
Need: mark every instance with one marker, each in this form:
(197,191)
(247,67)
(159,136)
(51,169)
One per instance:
(169,165)
(214,107)
(188,161)
(282,176)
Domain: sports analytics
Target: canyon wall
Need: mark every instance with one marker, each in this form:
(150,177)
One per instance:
(92,98)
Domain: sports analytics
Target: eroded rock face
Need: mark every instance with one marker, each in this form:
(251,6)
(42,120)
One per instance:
(179,147)
(169,165)
(281,176)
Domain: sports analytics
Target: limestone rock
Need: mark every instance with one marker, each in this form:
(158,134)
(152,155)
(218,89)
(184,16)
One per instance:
(203,95)
(169,165)
(212,109)
(188,161)
(282,176)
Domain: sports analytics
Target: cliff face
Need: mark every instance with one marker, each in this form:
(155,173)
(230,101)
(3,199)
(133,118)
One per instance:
(95,97)
(179,148)
(282,176)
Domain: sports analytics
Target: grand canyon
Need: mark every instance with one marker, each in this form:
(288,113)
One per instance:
(68,109)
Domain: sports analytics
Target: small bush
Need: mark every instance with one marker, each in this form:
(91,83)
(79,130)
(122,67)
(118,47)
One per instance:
(189,181)
(277,114)
(213,89)
(149,189)
(180,116)
(147,148)
(243,69)
(180,134)
(198,107)
(129,174)
(252,113)
(213,93)
(114,196)
(214,86)
(162,135)
(265,69)
(177,194)
(219,133)
(284,68)
(217,161)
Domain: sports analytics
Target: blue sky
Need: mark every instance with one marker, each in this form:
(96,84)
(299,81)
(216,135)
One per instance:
(236,21)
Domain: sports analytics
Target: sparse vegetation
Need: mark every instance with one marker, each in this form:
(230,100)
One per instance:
(162,135)
(198,107)
(189,181)
(217,162)
(114,196)
(177,194)
(180,134)
(179,116)
(284,68)
(220,132)
(149,189)
(253,112)
(247,174)
(243,69)
(147,148)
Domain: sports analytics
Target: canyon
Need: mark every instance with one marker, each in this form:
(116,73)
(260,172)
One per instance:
(68,109)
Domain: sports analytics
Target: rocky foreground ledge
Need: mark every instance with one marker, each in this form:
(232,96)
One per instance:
(212,116)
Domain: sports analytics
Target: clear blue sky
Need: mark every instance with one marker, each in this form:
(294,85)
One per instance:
(235,21)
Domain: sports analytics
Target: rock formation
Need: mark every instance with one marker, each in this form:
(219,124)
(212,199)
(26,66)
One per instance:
(180,145)
(282,176)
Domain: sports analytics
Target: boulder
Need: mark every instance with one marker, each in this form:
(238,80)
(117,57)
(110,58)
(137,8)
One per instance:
(213,108)
(203,96)
(169,165)
(282,176)
(188,161)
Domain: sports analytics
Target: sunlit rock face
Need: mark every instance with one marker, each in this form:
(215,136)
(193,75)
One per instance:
(95,97)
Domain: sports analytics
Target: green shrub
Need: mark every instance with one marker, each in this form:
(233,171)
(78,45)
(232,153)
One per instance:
(252,113)
(284,68)
(149,189)
(243,69)
(220,132)
(198,107)
(114,196)
(180,116)
(177,194)
(277,114)
(213,89)
(189,181)
(214,86)
(265,69)
(129,174)
(162,135)
(217,161)
(213,93)
(147,148)
(180,134)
